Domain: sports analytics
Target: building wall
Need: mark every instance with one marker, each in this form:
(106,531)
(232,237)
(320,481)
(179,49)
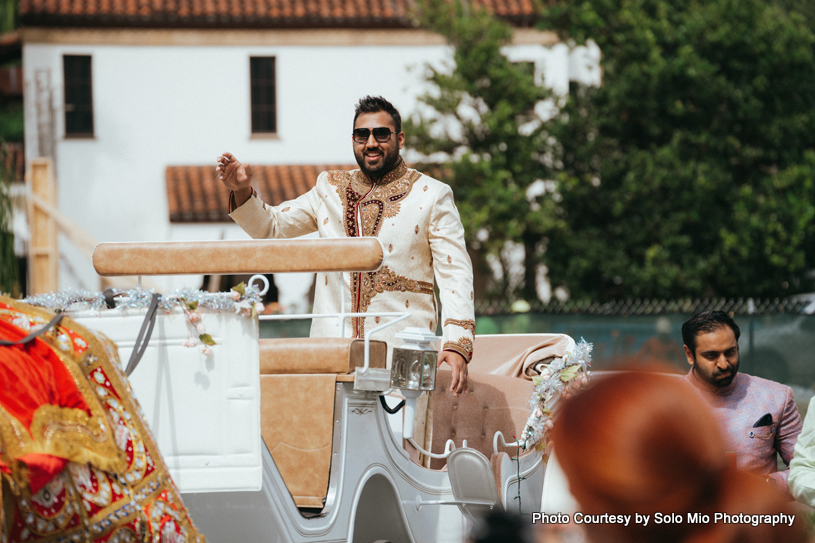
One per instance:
(182,97)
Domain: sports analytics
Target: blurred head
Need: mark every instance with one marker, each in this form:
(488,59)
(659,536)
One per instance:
(637,442)
(501,526)
(712,347)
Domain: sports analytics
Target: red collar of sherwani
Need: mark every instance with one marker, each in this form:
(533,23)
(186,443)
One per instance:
(397,172)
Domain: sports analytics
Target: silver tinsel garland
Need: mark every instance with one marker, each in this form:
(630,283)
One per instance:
(72,299)
(561,376)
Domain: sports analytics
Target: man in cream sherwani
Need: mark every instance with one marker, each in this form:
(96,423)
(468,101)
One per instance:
(414,217)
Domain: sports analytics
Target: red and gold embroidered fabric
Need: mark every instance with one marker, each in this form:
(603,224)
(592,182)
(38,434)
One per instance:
(78,459)
(374,203)
(364,286)
(463,346)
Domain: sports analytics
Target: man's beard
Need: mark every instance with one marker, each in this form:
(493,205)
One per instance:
(389,161)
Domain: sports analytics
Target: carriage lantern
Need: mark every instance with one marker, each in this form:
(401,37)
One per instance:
(413,370)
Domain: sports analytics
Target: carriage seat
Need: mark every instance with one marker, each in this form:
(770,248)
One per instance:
(298,378)
(497,399)
(492,403)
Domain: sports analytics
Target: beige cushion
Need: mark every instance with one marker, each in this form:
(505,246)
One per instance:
(296,415)
(318,355)
(491,403)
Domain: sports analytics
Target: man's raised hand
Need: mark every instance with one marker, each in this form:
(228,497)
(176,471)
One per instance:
(235,176)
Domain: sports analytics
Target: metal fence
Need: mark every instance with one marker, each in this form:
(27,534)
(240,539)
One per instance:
(689,306)
(777,336)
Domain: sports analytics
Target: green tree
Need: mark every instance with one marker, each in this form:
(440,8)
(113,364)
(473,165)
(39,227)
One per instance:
(8,15)
(9,277)
(11,111)
(480,119)
(690,171)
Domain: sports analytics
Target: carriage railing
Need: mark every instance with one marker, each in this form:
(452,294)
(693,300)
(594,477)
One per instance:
(323,255)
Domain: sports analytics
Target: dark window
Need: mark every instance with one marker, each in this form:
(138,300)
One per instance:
(264,112)
(78,95)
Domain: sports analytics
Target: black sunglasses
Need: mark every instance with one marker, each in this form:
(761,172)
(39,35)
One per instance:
(381,134)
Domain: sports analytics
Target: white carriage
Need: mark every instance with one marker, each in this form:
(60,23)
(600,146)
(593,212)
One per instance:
(275,440)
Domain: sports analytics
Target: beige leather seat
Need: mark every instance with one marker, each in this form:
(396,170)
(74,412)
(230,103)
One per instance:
(492,403)
(297,385)
(497,400)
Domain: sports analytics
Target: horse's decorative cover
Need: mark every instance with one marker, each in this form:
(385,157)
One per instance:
(77,461)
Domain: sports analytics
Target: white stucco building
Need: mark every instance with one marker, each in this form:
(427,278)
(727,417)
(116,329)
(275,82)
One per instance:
(168,86)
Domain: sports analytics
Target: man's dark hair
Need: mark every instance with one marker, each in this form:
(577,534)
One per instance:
(705,323)
(374,104)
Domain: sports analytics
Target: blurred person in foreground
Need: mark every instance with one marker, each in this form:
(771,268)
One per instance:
(499,526)
(642,443)
(759,417)
(413,216)
(802,467)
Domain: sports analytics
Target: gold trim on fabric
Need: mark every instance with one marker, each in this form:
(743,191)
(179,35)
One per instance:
(466,324)
(384,202)
(65,432)
(365,286)
(143,480)
(463,346)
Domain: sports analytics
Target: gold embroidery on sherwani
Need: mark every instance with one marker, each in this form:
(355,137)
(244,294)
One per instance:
(463,346)
(466,324)
(375,203)
(383,202)
(366,285)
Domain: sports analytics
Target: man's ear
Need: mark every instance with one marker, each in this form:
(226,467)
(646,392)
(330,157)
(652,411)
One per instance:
(401,139)
(688,355)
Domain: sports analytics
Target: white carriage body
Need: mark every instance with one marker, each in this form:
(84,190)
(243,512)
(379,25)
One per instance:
(205,411)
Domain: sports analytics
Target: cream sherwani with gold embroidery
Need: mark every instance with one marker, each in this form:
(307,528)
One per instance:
(416,220)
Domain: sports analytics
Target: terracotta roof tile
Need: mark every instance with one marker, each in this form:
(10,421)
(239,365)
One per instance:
(244,13)
(194,194)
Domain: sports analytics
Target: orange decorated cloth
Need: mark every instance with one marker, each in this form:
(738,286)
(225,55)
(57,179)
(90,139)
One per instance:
(32,376)
(77,462)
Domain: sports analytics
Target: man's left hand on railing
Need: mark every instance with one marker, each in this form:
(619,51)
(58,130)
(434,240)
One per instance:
(458,383)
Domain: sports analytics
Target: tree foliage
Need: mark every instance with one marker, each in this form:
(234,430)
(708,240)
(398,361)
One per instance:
(690,171)
(8,15)
(9,277)
(480,119)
